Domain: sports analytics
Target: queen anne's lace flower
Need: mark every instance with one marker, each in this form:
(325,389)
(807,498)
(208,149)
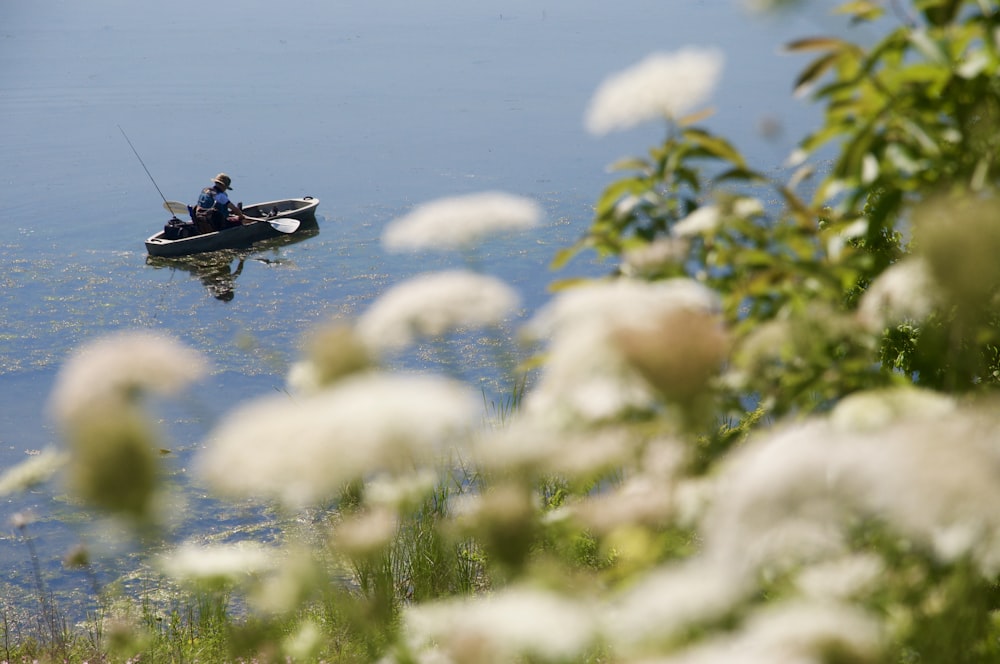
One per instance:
(217,563)
(34,470)
(587,377)
(459,221)
(702,221)
(433,304)
(904,291)
(799,631)
(664,85)
(304,450)
(508,625)
(790,496)
(118,365)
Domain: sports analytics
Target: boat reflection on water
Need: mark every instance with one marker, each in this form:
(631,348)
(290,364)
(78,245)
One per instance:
(218,270)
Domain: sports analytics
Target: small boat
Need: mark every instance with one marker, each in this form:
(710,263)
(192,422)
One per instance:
(266,220)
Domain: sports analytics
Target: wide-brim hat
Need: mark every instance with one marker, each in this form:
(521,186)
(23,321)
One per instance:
(223,181)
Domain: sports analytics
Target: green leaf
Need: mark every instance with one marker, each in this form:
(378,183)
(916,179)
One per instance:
(922,74)
(815,44)
(616,191)
(740,175)
(756,258)
(928,47)
(631,164)
(564,256)
(814,71)
(697,116)
(714,145)
(820,138)
(861,10)
(689,177)
(928,144)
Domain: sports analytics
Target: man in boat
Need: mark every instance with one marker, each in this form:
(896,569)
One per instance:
(213,208)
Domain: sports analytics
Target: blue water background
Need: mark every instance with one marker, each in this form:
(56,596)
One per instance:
(372,107)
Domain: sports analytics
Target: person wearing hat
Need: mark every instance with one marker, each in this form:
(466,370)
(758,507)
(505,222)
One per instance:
(213,208)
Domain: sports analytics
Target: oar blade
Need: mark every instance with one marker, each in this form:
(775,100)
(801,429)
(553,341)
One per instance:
(284,225)
(174,207)
(281,224)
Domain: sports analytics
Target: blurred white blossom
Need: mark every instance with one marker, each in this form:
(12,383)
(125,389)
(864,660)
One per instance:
(702,221)
(460,221)
(35,470)
(305,642)
(586,376)
(115,367)
(504,626)
(662,86)
(841,578)
(874,409)
(662,603)
(788,497)
(434,304)
(303,450)
(527,447)
(303,378)
(586,379)
(619,302)
(366,532)
(706,219)
(640,499)
(386,490)
(652,258)
(283,589)
(800,632)
(333,351)
(905,291)
(218,563)
(854,231)
(747,206)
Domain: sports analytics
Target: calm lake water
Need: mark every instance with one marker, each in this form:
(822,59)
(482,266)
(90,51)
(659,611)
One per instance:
(372,107)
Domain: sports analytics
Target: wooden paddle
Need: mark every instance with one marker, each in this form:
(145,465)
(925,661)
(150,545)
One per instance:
(281,224)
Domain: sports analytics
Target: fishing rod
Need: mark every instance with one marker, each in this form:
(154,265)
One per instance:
(167,205)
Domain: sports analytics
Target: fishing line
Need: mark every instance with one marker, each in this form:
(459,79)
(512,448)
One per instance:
(144,168)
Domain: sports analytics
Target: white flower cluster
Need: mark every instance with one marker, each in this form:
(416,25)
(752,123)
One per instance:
(663,86)
(785,503)
(434,304)
(791,496)
(459,221)
(306,450)
(586,377)
(117,367)
(906,291)
(97,403)
(34,470)
(217,563)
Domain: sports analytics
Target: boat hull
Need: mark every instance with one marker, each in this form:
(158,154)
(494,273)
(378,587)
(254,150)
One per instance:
(239,237)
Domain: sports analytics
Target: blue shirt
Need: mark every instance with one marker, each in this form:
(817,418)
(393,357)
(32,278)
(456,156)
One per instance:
(213,198)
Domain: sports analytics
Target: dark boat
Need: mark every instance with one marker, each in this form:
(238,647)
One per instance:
(270,219)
